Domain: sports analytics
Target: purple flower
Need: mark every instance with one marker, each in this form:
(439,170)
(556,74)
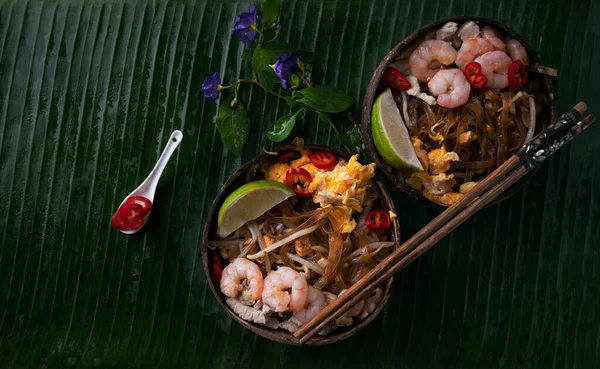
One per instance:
(283,67)
(245,26)
(211,86)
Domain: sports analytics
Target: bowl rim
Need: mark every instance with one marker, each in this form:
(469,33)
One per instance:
(283,336)
(374,83)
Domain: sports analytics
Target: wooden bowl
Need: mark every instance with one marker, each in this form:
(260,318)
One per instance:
(236,180)
(375,88)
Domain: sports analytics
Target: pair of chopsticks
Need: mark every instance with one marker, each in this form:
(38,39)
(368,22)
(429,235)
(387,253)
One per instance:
(525,160)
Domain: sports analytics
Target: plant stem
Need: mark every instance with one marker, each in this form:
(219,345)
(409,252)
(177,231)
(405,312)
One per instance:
(304,79)
(255,82)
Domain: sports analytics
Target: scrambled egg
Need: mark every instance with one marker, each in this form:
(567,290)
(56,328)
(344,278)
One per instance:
(345,184)
(276,172)
(439,160)
(436,185)
(301,161)
(447,199)
(466,187)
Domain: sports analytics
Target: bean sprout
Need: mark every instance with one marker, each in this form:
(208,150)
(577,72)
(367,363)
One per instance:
(306,263)
(284,241)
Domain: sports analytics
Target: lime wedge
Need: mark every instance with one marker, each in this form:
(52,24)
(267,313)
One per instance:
(249,202)
(390,134)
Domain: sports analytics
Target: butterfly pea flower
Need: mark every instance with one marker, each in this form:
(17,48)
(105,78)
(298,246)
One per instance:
(245,26)
(283,67)
(211,86)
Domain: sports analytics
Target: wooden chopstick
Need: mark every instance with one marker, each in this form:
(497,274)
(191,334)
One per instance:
(496,183)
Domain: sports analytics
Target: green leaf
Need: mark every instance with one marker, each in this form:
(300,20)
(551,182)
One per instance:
(233,125)
(344,139)
(264,57)
(290,100)
(295,80)
(270,10)
(353,139)
(247,55)
(283,127)
(355,135)
(325,98)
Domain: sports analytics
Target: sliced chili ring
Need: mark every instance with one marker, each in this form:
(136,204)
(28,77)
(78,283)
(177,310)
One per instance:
(378,220)
(145,203)
(118,221)
(298,179)
(286,156)
(132,213)
(393,78)
(217,269)
(474,75)
(323,159)
(517,75)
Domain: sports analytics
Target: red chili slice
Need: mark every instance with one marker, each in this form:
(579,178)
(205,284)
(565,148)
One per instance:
(298,179)
(217,270)
(517,75)
(145,203)
(474,75)
(378,220)
(118,221)
(132,214)
(288,155)
(323,159)
(393,78)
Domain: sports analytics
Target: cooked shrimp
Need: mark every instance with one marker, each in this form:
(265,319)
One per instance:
(426,59)
(446,32)
(275,294)
(490,35)
(314,303)
(517,51)
(238,275)
(494,65)
(451,88)
(472,49)
(468,30)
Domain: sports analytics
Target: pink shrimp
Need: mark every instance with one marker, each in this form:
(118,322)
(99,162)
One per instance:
(315,302)
(472,49)
(275,294)
(426,60)
(451,88)
(494,65)
(493,37)
(242,270)
(517,51)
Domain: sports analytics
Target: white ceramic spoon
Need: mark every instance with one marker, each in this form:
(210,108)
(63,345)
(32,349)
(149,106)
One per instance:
(148,187)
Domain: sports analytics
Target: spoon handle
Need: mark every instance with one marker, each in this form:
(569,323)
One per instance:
(152,180)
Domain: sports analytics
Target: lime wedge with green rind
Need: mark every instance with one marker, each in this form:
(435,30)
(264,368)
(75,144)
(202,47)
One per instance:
(390,135)
(249,202)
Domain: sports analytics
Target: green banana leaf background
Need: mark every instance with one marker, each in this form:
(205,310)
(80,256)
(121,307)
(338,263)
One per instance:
(90,92)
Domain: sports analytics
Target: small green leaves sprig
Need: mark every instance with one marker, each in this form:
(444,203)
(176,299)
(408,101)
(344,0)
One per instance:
(281,71)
